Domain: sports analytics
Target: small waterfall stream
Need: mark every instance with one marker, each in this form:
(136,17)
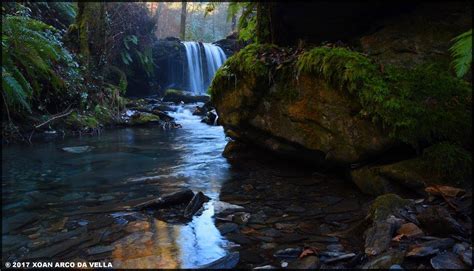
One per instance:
(203,60)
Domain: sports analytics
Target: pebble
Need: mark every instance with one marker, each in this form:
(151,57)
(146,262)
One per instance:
(447,260)
(227,228)
(288,253)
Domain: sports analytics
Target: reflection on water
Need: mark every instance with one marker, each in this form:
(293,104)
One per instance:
(47,183)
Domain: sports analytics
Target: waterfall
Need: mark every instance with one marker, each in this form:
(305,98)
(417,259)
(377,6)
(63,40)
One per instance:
(202,64)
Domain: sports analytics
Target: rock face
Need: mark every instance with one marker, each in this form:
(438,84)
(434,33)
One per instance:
(312,109)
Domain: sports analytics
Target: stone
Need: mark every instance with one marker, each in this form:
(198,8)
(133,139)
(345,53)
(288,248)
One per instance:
(324,239)
(385,260)
(396,267)
(340,258)
(466,257)
(288,253)
(137,225)
(13,242)
(226,228)
(437,220)
(221,207)
(430,247)
(227,262)
(385,205)
(241,218)
(238,238)
(447,260)
(195,204)
(409,230)
(78,149)
(17,221)
(335,247)
(99,250)
(250,256)
(378,237)
(308,262)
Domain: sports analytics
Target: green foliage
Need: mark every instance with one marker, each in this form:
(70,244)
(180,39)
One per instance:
(462,53)
(450,161)
(244,63)
(421,104)
(80,122)
(33,59)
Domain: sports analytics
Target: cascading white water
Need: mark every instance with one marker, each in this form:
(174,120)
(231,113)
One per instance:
(198,78)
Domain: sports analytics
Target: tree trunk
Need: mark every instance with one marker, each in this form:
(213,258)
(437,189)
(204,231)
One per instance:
(183,20)
(264,23)
(157,18)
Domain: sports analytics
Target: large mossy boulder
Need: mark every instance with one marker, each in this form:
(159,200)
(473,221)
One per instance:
(335,106)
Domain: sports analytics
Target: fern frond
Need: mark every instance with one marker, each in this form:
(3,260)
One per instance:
(462,53)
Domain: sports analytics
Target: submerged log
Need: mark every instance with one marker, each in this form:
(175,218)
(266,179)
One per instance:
(195,204)
(166,200)
(139,204)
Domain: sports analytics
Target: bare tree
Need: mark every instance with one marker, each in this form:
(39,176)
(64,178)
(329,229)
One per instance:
(183,20)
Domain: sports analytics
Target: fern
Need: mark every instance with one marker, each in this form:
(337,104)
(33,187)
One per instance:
(32,57)
(462,53)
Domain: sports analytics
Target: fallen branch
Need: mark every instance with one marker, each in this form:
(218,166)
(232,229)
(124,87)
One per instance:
(53,118)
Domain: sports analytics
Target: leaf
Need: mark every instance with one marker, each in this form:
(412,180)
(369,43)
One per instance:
(462,53)
(308,251)
(443,190)
(409,230)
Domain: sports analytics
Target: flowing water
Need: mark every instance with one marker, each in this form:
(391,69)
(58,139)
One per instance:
(47,195)
(202,65)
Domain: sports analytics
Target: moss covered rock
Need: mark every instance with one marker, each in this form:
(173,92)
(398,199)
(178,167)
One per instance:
(442,163)
(383,206)
(142,118)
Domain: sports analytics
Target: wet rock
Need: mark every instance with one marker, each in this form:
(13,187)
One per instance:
(51,251)
(271,232)
(268,246)
(227,228)
(266,267)
(222,208)
(288,253)
(324,239)
(17,221)
(195,204)
(258,218)
(13,242)
(466,257)
(99,250)
(385,205)
(227,262)
(385,260)
(430,247)
(335,247)
(143,118)
(239,238)
(241,218)
(447,260)
(340,258)
(437,220)
(285,226)
(78,149)
(409,230)
(138,225)
(291,238)
(182,196)
(378,237)
(210,118)
(459,248)
(396,267)
(308,262)
(250,256)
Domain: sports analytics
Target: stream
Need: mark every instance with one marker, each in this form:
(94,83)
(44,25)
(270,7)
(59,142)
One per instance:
(44,189)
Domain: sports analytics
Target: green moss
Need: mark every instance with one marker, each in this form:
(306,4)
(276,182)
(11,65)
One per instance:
(144,118)
(421,104)
(246,62)
(385,205)
(79,122)
(452,163)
